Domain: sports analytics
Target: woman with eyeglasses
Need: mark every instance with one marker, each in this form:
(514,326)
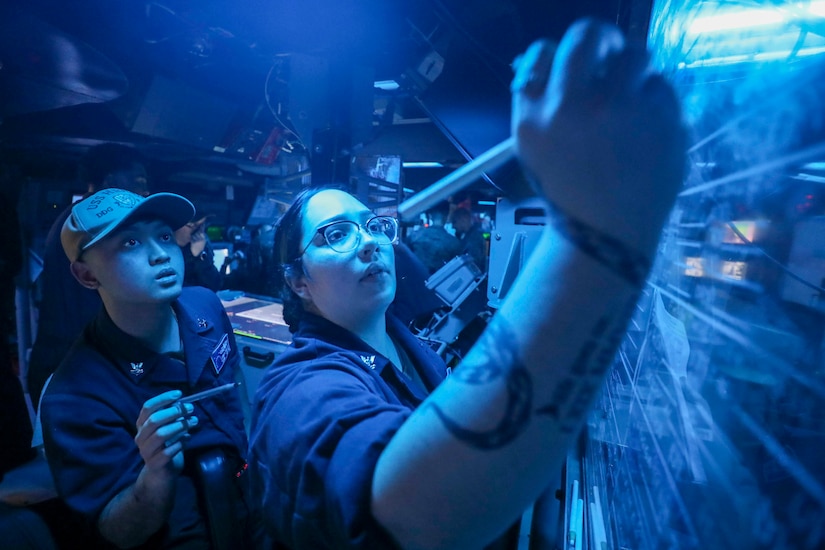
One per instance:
(360,439)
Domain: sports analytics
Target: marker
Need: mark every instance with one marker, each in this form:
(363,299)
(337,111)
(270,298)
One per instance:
(599,532)
(208,393)
(574,501)
(579,523)
(573,532)
(457,180)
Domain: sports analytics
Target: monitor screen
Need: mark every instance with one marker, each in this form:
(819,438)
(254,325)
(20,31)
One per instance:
(258,318)
(221,252)
(264,211)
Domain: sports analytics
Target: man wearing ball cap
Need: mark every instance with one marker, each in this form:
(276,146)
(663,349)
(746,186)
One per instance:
(124,451)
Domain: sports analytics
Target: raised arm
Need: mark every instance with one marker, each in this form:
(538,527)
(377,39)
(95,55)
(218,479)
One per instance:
(601,138)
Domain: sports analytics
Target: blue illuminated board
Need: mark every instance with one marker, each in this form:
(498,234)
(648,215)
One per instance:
(710,432)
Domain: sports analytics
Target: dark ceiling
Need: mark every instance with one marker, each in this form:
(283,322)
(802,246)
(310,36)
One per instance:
(186,81)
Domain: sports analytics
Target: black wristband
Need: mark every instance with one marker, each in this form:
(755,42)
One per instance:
(609,251)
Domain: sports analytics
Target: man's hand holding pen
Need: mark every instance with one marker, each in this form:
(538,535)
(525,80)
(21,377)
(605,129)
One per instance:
(163,425)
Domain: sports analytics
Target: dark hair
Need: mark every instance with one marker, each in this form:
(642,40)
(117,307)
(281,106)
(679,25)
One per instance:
(287,249)
(104,159)
(461,213)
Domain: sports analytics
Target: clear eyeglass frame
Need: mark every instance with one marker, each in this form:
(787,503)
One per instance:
(345,235)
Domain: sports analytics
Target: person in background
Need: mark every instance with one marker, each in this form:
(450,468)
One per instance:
(65,307)
(433,244)
(470,237)
(142,467)
(258,273)
(359,438)
(198,257)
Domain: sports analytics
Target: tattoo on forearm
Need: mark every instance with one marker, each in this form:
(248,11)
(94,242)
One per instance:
(605,249)
(512,424)
(498,352)
(570,400)
(572,397)
(476,375)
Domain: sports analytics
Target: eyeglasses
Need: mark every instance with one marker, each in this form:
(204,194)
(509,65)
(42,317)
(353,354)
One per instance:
(345,236)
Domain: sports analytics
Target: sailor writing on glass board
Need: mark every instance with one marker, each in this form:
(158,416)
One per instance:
(360,440)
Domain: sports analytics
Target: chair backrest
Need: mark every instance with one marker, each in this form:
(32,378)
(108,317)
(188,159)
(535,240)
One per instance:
(218,498)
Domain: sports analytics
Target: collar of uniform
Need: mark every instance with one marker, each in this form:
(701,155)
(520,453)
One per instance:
(198,332)
(134,358)
(318,327)
(430,366)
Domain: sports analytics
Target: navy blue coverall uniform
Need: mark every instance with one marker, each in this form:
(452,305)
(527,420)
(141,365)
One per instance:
(90,408)
(324,412)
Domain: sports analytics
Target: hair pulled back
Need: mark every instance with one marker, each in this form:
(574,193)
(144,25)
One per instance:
(287,250)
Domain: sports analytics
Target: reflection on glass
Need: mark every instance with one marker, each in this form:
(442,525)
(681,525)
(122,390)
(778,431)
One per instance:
(710,432)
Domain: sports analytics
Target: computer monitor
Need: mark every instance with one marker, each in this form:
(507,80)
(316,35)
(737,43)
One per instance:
(257,317)
(264,211)
(222,251)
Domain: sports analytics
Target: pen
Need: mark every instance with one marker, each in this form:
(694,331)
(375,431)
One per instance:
(208,393)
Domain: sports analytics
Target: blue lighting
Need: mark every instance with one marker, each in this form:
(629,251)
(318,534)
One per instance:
(387,85)
(740,19)
(710,34)
(422,164)
(752,18)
